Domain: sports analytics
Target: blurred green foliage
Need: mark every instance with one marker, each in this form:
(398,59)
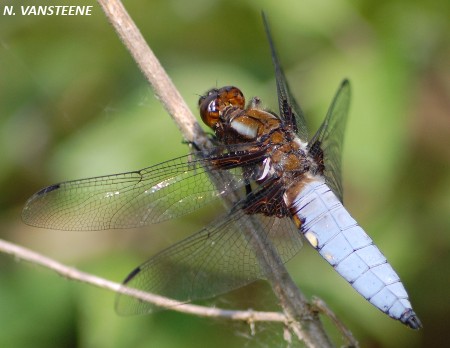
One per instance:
(73,104)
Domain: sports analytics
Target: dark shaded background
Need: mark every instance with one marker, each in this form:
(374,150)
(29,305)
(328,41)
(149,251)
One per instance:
(73,104)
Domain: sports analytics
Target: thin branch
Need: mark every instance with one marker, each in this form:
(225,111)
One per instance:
(303,321)
(24,254)
(321,306)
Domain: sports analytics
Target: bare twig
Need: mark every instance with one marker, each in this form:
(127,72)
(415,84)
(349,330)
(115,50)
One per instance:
(302,321)
(322,307)
(21,253)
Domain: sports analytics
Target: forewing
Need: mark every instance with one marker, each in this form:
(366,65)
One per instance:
(154,194)
(329,138)
(290,110)
(213,261)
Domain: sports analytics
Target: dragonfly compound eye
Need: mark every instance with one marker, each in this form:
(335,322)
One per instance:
(216,100)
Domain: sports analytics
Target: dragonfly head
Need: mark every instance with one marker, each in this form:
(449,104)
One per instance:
(216,100)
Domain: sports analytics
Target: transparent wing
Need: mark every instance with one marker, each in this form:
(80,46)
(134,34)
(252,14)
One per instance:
(163,191)
(290,110)
(217,259)
(329,138)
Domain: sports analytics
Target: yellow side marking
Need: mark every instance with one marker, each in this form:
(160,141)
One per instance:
(312,239)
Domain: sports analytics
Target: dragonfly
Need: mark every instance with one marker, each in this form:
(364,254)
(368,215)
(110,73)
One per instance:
(270,170)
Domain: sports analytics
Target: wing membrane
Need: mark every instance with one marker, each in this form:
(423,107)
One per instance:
(154,194)
(330,137)
(217,259)
(290,110)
